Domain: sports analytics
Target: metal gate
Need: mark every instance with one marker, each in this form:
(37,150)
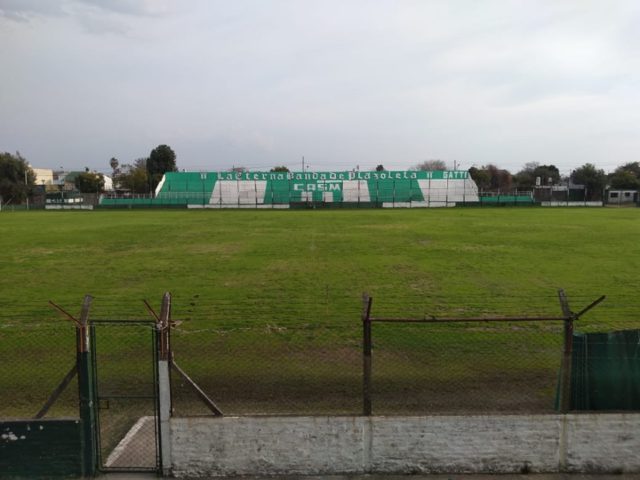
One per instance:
(126,395)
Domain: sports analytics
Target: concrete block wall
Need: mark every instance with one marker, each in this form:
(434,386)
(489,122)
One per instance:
(231,446)
(460,444)
(270,445)
(605,443)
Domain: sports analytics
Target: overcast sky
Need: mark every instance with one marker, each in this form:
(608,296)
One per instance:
(260,83)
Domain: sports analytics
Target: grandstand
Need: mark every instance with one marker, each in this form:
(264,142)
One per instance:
(386,189)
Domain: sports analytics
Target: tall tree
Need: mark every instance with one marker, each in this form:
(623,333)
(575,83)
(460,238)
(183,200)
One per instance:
(491,178)
(593,179)
(380,168)
(481,177)
(626,177)
(527,177)
(114,164)
(431,165)
(16,178)
(162,159)
(90,182)
(134,178)
(501,179)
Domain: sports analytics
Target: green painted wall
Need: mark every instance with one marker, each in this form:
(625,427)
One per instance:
(40,448)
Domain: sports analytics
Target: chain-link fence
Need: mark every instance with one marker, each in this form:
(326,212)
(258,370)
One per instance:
(269,370)
(35,359)
(465,367)
(248,359)
(443,359)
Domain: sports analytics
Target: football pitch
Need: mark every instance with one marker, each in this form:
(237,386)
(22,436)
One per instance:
(273,266)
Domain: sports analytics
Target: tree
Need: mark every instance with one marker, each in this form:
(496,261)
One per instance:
(430,165)
(481,177)
(114,164)
(527,177)
(501,180)
(281,168)
(90,182)
(380,168)
(593,179)
(626,177)
(134,177)
(16,178)
(491,178)
(162,159)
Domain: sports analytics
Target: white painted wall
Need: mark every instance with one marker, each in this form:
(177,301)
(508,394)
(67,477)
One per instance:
(238,193)
(437,192)
(228,446)
(355,191)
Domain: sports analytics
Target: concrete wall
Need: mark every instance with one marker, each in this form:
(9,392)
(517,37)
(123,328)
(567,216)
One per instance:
(435,444)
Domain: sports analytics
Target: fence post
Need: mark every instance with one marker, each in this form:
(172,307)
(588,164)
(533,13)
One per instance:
(565,391)
(366,350)
(86,390)
(163,327)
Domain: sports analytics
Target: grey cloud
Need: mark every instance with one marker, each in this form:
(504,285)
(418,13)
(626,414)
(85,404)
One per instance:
(23,10)
(131,7)
(96,24)
(95,16)
(263,83)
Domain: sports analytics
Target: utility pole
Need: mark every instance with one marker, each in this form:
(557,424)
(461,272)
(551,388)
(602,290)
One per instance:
(303,164)
(26,184)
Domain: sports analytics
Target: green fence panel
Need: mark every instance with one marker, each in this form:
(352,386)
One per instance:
(605,371)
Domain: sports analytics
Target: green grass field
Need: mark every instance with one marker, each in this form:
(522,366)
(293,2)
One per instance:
(277,266)
(269,301)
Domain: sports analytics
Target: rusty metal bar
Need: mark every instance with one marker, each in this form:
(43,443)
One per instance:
(87,394)
(57,391)
(590,306)
(83,329)
(203,396)
(366,354)
(65,313)
(164,327)
(151,311)
(468,319)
